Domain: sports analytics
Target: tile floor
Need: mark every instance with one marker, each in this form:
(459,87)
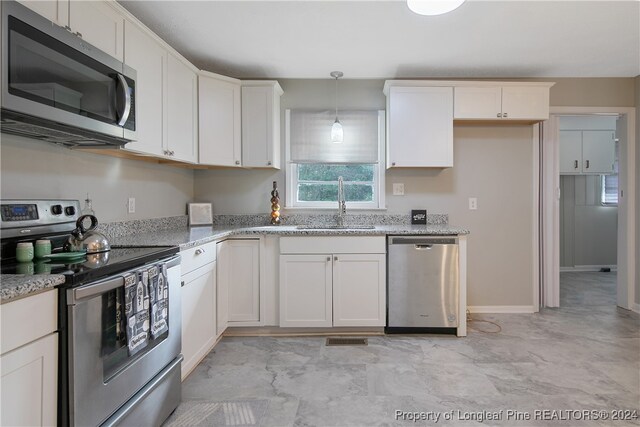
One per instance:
(584,356)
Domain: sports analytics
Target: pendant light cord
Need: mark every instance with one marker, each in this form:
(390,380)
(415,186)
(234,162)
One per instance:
(336,98)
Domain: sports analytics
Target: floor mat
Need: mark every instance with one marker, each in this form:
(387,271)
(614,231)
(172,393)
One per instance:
(205,413)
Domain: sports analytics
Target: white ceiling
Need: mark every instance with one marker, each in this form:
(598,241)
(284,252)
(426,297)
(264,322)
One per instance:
(383,39)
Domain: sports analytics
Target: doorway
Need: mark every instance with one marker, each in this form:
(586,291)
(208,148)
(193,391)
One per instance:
(553,254)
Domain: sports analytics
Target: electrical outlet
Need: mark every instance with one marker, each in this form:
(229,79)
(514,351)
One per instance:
(131,205)
(473,203)
(398,189)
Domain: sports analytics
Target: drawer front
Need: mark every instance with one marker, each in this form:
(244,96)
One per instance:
(28,319)
(197,257)
(333,245)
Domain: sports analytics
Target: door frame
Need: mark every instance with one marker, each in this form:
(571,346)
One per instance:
(550,206)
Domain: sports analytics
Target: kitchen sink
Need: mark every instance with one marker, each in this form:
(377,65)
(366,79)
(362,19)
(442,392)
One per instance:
(336,227)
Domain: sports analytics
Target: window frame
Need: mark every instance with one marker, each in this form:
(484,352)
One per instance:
(291,175)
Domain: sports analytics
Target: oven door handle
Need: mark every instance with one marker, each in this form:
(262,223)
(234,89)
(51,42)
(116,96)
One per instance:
(96,289)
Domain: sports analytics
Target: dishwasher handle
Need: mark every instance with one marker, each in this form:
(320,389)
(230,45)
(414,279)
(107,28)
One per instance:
(422,247)
(422,243)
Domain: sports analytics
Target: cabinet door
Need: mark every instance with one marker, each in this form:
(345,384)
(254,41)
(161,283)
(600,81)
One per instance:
(525,103)
(182,114)
(99,24)
(478,103)
(219,122)
(359,292)
(54,10)
(305,290)
(28,384)
(149,59)
(244,280)
(198,316)
(570,152)
(598,151)
(223,257)
(420,127)
(260,147)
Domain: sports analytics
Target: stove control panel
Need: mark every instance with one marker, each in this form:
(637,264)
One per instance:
(32,217)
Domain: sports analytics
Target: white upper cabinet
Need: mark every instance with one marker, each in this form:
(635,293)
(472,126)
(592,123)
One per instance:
(587,152)
(261,124)
(182,111)
(219,118)
(100,24)
(54,10)
(149,59)
(512,102)
(419,126)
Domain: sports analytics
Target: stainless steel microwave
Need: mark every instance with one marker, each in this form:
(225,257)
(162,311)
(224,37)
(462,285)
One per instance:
(59,88)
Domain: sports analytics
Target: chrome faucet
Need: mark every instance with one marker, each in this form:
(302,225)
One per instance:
(342,204)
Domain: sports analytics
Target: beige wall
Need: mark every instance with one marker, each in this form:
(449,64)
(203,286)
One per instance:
(592,92)
(35,169)
(637,104)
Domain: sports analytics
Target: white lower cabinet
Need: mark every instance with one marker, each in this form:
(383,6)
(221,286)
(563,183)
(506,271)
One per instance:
(306,290)
(239,274)
(334,288)
(199,304)
(29,361)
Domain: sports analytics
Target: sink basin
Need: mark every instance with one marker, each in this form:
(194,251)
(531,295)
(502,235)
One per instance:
(336,227)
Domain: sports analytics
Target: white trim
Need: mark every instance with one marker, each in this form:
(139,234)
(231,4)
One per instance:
(460,83)
(635,307)
(585,268)
(627,209)
(501,309)
(535,226)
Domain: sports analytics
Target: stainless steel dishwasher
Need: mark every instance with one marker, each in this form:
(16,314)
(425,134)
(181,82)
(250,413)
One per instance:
(423,284)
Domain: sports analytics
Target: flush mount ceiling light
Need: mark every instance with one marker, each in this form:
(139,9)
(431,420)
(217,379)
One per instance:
(337,134)
(433,7)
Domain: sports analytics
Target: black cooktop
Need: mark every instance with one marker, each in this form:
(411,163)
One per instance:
(94,266)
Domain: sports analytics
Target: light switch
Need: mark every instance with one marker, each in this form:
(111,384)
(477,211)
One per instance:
(473,203)
(398,189)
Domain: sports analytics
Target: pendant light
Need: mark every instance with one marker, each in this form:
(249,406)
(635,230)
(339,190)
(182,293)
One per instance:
(337,135)
(433,7)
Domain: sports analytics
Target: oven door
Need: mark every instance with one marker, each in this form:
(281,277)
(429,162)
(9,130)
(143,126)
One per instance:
(102,375)
(50,74)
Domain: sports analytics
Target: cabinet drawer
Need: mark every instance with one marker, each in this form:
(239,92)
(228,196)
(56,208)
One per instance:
(333,245)
(198,256)
(28,319)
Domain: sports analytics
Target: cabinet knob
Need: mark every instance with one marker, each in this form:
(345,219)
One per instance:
(268,163)
(499,115)
(335,258)
(587,164)
(328,259)
(575,164)
(68,28)
(199,251)
(182,284)
(393,163)
(505,115)
(79,34)
(237,162)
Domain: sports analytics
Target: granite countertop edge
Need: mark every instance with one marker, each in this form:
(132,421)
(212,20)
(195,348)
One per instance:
(186,238)
(16,286)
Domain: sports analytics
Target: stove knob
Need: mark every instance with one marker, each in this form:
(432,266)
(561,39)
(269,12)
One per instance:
(56,209)
(70,211)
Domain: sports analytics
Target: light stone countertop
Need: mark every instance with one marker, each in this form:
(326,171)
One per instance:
(16,286)
(194,236)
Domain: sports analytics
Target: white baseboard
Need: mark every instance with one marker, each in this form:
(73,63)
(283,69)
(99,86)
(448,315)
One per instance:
(501,309)
(635,307)
(584,268)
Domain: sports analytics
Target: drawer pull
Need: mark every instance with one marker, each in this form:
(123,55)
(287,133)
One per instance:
(199,251)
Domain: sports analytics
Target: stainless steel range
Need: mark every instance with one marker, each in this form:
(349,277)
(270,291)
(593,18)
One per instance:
(119,320)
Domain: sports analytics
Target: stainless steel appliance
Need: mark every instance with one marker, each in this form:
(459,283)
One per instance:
(423,284)
(100,381)
(59,88)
